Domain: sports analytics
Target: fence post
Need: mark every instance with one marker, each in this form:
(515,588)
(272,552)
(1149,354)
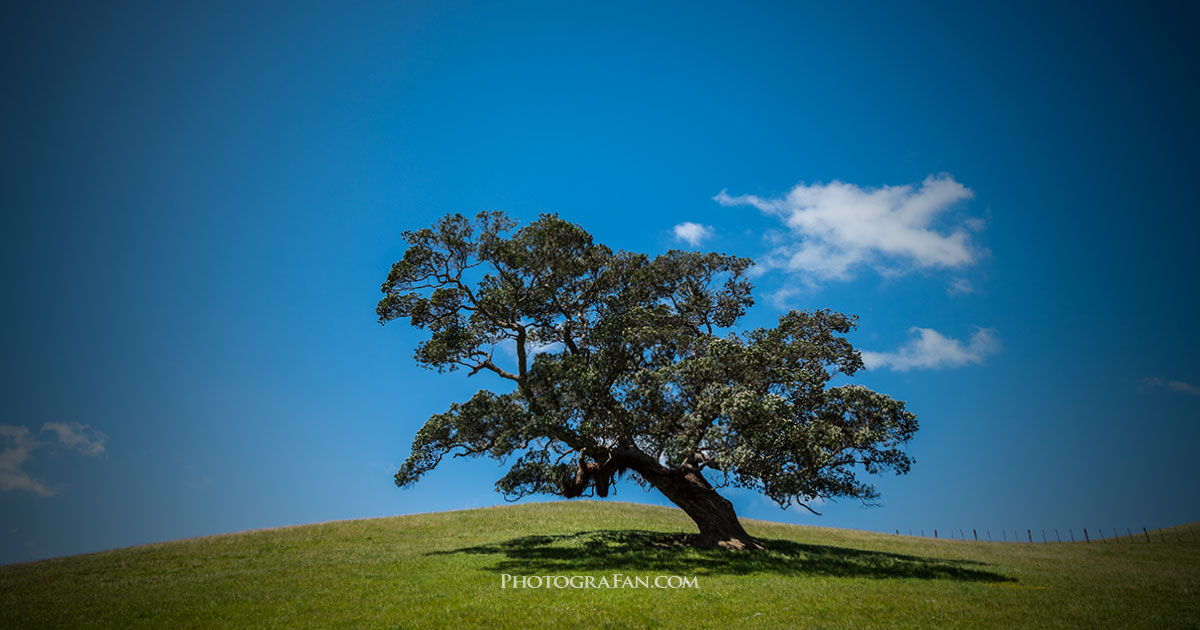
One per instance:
(1030,534)
(1147,534)
(975,533)
(935,532)
(1056,535)
(1085,536)
(989,535)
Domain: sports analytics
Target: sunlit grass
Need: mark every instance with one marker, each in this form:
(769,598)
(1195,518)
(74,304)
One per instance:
(445,569)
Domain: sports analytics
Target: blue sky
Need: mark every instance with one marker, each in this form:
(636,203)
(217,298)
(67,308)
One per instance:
(200,201)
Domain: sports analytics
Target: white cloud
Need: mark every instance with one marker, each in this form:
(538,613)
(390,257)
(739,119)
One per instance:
(782,298)
(80,437)
(960,286)
(1187,388)
(1175,386)
(692,233)
(838,228)
(932,350)
(19,443)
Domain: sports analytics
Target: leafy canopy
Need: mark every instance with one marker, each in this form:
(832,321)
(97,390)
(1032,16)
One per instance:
(619,352)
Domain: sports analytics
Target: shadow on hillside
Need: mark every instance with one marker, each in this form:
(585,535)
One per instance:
(632,550)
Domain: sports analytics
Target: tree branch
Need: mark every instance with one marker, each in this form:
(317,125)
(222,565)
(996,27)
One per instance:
(805,506)
(487,364)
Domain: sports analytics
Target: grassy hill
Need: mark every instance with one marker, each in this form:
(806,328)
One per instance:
(446,569)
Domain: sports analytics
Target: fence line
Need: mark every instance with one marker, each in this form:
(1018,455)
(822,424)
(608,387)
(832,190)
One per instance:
(1182,535)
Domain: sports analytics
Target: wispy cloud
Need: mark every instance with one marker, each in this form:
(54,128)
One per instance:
(692,233)
(1186,388)
(20,444)
(783,298)
(1175,386)
(838,228)
(80,437)
(932,350)
(960,286)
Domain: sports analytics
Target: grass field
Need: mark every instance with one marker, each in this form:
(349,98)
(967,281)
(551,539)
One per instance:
(446,569)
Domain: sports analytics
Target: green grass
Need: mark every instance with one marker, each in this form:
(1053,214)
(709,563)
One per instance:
(444,570)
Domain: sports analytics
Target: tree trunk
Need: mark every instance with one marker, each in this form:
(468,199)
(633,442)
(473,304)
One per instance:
(713,513)
(687,488)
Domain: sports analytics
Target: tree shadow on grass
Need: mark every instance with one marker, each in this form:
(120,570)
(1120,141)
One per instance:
(632,551)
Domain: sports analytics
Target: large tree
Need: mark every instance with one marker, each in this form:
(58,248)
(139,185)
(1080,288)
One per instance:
(628,364)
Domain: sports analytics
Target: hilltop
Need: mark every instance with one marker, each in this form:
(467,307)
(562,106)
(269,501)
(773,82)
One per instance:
(446,570)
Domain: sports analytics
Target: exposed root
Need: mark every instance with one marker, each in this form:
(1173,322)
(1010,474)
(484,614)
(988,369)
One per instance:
(695,541)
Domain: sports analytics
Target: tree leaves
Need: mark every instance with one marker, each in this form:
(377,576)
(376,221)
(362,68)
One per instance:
(618,352)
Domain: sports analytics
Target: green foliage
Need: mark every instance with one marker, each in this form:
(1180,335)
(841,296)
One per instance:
(619,354)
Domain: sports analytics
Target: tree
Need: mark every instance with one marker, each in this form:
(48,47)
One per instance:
(621,367)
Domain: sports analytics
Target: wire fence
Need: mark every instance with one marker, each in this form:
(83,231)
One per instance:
(1029,536)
